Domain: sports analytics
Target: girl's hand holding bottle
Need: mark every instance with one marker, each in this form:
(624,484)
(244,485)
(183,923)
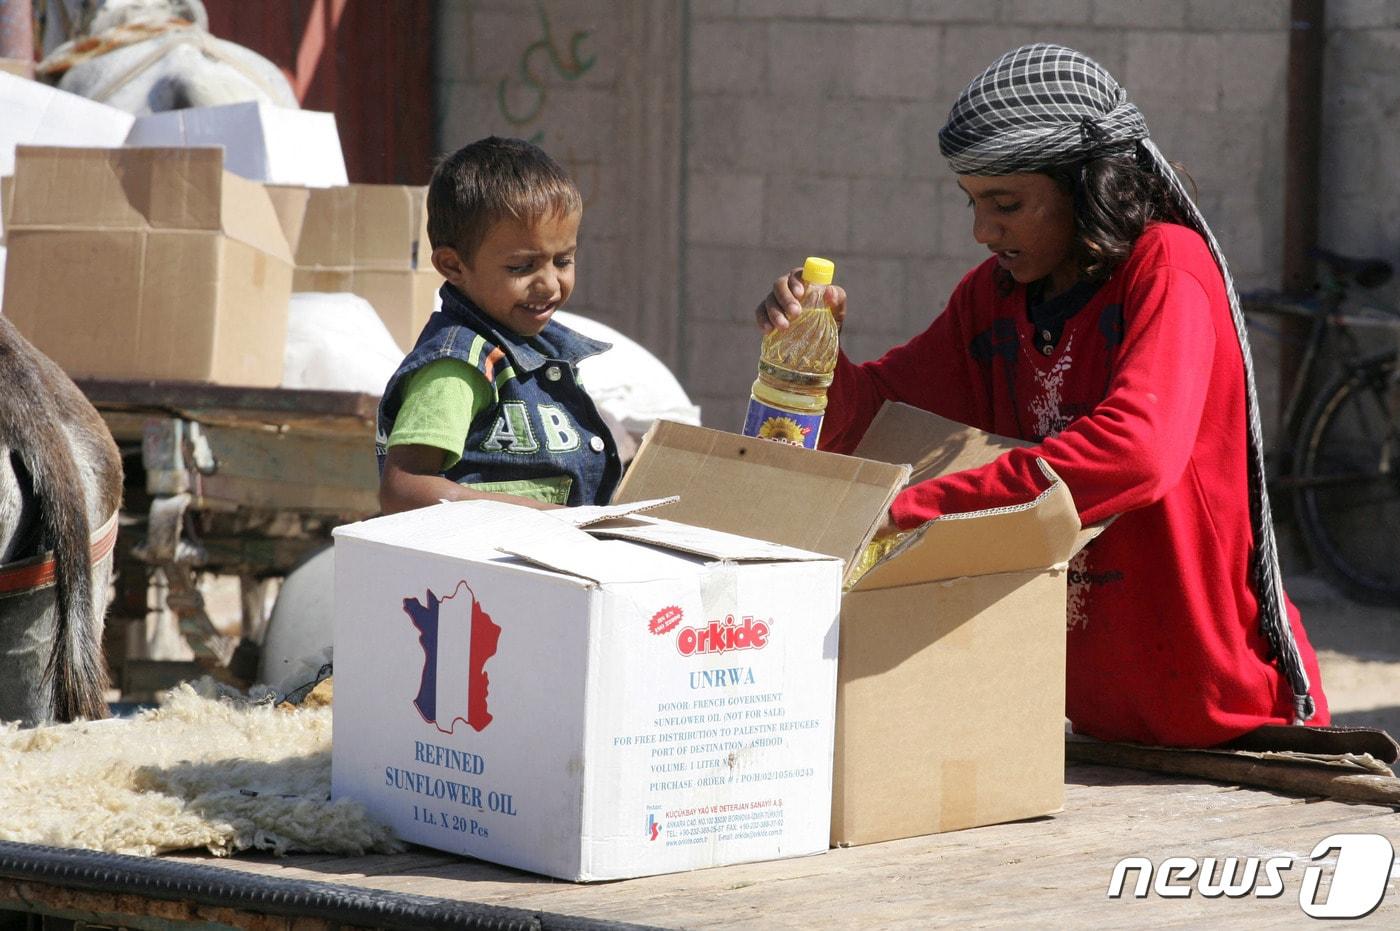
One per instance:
(785,302)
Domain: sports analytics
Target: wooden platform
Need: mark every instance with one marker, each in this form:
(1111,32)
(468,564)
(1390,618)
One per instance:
(1049,872)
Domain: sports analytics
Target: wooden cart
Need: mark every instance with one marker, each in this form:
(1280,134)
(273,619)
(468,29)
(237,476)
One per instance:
(1053,872)
(242,482)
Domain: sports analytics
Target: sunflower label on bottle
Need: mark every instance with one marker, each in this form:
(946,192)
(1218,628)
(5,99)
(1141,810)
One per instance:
(782,425)
(795,367)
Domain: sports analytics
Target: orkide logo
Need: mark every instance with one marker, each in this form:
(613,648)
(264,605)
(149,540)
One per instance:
(723,636)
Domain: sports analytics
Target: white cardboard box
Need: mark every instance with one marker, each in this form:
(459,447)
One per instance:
(36,114)
(591,707)
(275,145)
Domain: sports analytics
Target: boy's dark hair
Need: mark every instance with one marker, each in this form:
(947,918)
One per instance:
(1115,197)
(489,180)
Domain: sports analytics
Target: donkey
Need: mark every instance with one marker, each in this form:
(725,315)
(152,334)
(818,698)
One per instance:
(60,477)
(146,56)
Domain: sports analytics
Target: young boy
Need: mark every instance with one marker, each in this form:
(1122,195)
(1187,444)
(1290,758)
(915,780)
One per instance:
(488,404)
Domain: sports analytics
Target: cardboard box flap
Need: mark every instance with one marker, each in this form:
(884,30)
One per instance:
(574,552)
(289,202)
(594,513)
(932,445)
(607,553)
(469,527)
(175,189)
(249,216)
(819,502)
(142,189)
(1042,532)
(936,446)
(700,541)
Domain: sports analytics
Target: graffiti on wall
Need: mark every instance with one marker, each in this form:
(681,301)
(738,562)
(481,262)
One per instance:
(522,98)
(532,87)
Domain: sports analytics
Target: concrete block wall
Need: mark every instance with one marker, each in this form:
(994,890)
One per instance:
(810,127)
(1360,194)
(490,84)
(597,84)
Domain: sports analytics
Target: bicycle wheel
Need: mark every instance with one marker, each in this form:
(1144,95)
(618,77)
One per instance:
(1347,482)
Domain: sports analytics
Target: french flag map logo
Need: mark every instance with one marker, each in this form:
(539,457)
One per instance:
(457,637)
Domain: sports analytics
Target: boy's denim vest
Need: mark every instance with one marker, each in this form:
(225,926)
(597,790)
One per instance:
(541,425)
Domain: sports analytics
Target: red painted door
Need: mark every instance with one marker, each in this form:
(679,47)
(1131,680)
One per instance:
(367,61)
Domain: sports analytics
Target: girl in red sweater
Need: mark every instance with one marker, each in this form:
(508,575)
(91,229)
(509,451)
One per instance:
(1106,329)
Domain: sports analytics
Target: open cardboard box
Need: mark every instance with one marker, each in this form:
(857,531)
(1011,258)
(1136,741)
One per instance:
(951,677)
(134,263)
(369,239)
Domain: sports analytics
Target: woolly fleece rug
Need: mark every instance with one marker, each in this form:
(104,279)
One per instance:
(204,770)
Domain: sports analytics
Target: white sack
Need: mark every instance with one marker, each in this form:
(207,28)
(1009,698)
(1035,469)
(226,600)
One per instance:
(628,382)
(335,341)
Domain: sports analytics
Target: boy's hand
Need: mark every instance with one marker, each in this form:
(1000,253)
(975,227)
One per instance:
(784,302)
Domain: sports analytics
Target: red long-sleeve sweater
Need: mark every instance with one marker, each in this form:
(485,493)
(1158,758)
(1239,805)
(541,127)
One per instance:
(1140,409)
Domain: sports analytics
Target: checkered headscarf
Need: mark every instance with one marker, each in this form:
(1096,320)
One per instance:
(1042,106)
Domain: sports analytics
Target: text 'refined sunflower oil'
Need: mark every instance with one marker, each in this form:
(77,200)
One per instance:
(795,367)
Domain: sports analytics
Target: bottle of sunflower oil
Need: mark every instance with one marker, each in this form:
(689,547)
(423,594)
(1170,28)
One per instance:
(795,367)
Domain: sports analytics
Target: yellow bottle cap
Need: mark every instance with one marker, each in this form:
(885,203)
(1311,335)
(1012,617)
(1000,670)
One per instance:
(818,271)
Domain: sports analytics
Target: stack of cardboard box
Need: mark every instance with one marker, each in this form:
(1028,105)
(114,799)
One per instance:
(166,247)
